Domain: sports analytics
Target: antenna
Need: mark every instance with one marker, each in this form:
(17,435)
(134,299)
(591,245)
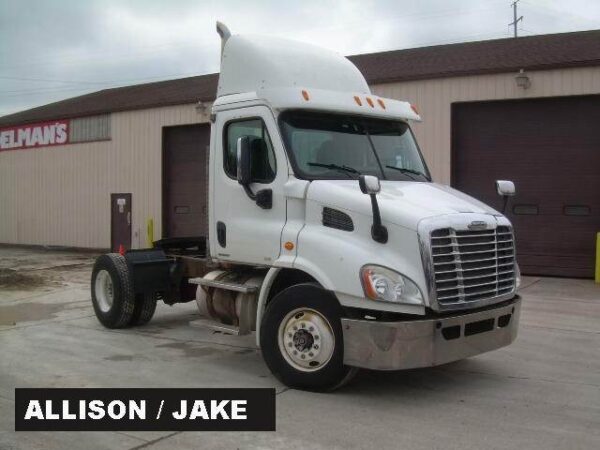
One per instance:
(515,20)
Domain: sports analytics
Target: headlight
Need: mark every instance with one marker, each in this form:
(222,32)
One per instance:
(386,285)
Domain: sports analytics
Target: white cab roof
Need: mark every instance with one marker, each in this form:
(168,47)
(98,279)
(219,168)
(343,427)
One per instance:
(253,63)
(294,75)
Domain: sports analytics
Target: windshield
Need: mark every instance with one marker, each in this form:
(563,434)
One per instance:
(334,146)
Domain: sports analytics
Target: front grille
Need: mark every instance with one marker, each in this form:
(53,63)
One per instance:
(472,266)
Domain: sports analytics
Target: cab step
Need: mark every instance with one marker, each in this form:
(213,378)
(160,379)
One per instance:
(211,324)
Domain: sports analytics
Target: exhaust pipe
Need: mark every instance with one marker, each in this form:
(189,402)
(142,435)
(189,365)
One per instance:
(224,33)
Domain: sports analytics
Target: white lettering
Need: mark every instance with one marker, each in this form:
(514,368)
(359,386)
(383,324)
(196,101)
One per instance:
(61,133)
(135,409)
(218,408)
(34,410)
(24,137)
(48,135)
(65,411)
(34,135)
(111,409)
(238,409)
(183,411)
(37,138)
(5,139)
(199,410)
(96,409)
(49,414)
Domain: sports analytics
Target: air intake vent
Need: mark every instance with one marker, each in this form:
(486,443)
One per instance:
(333,218)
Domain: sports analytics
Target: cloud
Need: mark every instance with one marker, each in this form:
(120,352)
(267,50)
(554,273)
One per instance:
(59,49)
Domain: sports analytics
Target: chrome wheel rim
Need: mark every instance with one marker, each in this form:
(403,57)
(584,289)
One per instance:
(104,291)
(306,339)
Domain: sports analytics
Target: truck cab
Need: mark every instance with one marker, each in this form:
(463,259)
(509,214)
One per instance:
(327,236)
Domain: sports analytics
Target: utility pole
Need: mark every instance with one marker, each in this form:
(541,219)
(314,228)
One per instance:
(515,20)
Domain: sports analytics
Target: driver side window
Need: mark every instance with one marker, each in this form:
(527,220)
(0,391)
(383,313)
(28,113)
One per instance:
(263,158)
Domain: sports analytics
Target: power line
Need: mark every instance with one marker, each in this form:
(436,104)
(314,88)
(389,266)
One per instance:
(90,83)
(562,13)
(460,39)
(115,83)
(27,93)
(417,16)
(51,81)
(515,21)
(169,47)
(69,84)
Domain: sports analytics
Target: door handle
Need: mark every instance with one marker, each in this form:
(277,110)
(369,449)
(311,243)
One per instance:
(222,234)
(128,217)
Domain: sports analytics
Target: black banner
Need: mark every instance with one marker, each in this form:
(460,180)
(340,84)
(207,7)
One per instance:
(144,409)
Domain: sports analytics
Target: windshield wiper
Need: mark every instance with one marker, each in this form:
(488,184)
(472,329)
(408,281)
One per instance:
(408,171)
(345,169)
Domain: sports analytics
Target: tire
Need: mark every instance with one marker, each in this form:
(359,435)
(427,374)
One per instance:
(145,305)
(315,314)
(112,291)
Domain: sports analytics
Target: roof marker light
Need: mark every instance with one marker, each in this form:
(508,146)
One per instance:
(357,100)
(370,102)
(381,103)
(414,108)
(305,95)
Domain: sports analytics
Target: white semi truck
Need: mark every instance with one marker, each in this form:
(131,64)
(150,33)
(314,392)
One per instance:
(327,237)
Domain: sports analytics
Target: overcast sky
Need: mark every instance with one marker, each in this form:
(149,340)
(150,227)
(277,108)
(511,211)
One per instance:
(56,49)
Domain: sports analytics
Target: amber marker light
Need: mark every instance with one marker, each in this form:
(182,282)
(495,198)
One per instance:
(370,102)
(381,103)
(305,95)
(289,246)
(368,285)
(357,100)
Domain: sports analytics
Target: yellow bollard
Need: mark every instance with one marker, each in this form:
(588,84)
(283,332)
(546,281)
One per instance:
(598,258)
(150,233)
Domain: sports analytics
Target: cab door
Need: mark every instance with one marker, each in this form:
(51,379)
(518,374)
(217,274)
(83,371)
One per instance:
(242,230)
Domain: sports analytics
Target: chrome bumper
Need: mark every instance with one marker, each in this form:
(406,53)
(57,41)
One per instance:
(431,342)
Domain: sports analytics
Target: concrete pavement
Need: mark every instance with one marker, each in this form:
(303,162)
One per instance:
(541,392)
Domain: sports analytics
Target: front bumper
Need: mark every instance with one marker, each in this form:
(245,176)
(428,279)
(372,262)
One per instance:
(430,342)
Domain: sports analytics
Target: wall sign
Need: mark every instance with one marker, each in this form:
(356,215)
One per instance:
(35,135)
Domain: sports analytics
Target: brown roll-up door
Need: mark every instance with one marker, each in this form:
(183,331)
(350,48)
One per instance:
(185,196)
(550,148)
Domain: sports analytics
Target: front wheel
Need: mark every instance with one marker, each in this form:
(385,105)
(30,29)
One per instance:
(301,339)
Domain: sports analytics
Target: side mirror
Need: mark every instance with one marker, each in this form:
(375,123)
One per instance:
(369,184)
(264,197)
(505,188)
(244,175)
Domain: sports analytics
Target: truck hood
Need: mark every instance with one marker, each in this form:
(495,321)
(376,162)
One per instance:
(403,203)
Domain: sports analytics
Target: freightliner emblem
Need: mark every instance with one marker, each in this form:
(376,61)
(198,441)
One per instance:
(477,225)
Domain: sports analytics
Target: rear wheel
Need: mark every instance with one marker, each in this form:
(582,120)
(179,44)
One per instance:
(301,339)
(112,291)
(145,305)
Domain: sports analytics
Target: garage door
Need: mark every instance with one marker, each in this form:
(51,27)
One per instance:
(550,148)
(185,152)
